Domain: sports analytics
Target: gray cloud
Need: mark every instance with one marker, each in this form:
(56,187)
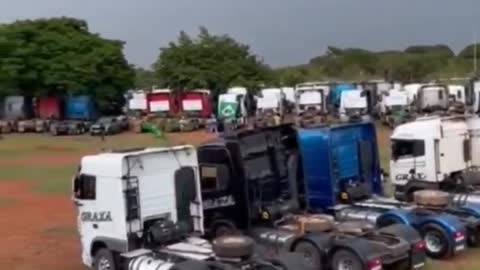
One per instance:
(283,32)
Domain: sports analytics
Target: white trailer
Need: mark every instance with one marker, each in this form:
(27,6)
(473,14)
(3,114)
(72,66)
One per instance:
(143,210)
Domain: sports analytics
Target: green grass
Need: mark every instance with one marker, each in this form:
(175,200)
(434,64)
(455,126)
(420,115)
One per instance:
(56,178)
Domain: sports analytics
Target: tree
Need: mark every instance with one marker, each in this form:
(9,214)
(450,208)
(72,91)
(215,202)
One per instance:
(146,79)
(469,51)
(209,61)
(59,56)
(439,50)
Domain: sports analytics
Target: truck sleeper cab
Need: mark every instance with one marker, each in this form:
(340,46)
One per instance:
(247,185)
(436,153)
(342,176)
(141,209)
(311,103)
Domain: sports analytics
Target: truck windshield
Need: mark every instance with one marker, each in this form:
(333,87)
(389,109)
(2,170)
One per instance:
(407,149)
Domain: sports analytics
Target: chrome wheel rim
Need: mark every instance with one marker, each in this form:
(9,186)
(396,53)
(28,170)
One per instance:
(433,242)
(104,264)
(345,264)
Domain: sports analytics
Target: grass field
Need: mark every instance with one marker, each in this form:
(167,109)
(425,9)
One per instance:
(35,173)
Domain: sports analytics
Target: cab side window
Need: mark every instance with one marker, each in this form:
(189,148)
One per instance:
(407,149)
(85,187)
(214,170)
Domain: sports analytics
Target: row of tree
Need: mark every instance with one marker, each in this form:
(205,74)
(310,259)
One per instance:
(415,63)
(60,56)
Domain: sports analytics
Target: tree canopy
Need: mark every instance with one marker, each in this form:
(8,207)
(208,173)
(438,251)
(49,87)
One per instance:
(58,57)
(209,61)
(415,63)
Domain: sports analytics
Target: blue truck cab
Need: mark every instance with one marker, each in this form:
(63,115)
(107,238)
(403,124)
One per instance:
(342,176)
(336,94)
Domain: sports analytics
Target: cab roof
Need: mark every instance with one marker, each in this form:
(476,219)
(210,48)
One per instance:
(431,127)
(111,164)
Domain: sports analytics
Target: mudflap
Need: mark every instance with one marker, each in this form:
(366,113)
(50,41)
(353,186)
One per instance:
(416,257)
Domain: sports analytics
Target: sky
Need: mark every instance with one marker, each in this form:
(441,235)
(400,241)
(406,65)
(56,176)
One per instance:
(282,32)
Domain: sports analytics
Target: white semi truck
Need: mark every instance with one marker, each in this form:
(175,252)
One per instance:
(142,210)
(311,103)
(354,105)
(437,153)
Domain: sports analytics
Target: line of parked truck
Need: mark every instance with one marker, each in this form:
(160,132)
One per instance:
(290,190)
(72,115)
(306,104)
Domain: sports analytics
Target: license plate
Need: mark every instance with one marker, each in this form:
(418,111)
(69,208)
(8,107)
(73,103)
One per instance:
(460,248)
(419,265)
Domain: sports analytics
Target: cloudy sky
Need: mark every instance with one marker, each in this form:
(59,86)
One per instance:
(283,32)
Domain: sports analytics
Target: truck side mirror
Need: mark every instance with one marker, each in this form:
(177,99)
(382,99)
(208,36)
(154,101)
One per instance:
(185,184)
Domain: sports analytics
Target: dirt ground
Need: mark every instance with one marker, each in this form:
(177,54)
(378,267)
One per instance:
(39,229)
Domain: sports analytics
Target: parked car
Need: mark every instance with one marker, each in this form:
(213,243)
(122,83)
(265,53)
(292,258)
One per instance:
(108,125)
(123,122)
(68,127)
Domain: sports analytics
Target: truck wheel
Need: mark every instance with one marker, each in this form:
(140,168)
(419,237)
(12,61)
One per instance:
(436,241)
(310,253)
(237,246)
(473,239)
(346,260)
(104,260)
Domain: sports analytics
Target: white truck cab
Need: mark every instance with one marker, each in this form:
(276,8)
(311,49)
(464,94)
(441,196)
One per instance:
(457,93)
(311,103)
(429,153)
(393,99)
(353,104)
(130,202)
(432,97)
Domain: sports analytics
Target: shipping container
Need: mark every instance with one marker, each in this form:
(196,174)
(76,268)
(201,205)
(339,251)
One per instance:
(17,107)
(48,108)
(80,108)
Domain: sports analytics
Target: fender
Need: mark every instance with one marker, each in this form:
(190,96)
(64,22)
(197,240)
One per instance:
(403,231)
(321,241)
(472,209)
(397,216)
(449,222)
(113,244)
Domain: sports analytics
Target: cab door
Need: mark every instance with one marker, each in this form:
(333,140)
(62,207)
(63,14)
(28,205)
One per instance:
(84,197)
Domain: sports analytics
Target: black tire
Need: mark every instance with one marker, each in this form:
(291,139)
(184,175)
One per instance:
(344,256)
(473,239)
(103,258)
(440,236)
(233,246)
(310,254)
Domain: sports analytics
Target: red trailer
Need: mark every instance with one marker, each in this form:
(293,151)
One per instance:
(48,108)
(197,104)
(162,102)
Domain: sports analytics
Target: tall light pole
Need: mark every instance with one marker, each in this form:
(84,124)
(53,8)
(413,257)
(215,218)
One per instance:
(475,52)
